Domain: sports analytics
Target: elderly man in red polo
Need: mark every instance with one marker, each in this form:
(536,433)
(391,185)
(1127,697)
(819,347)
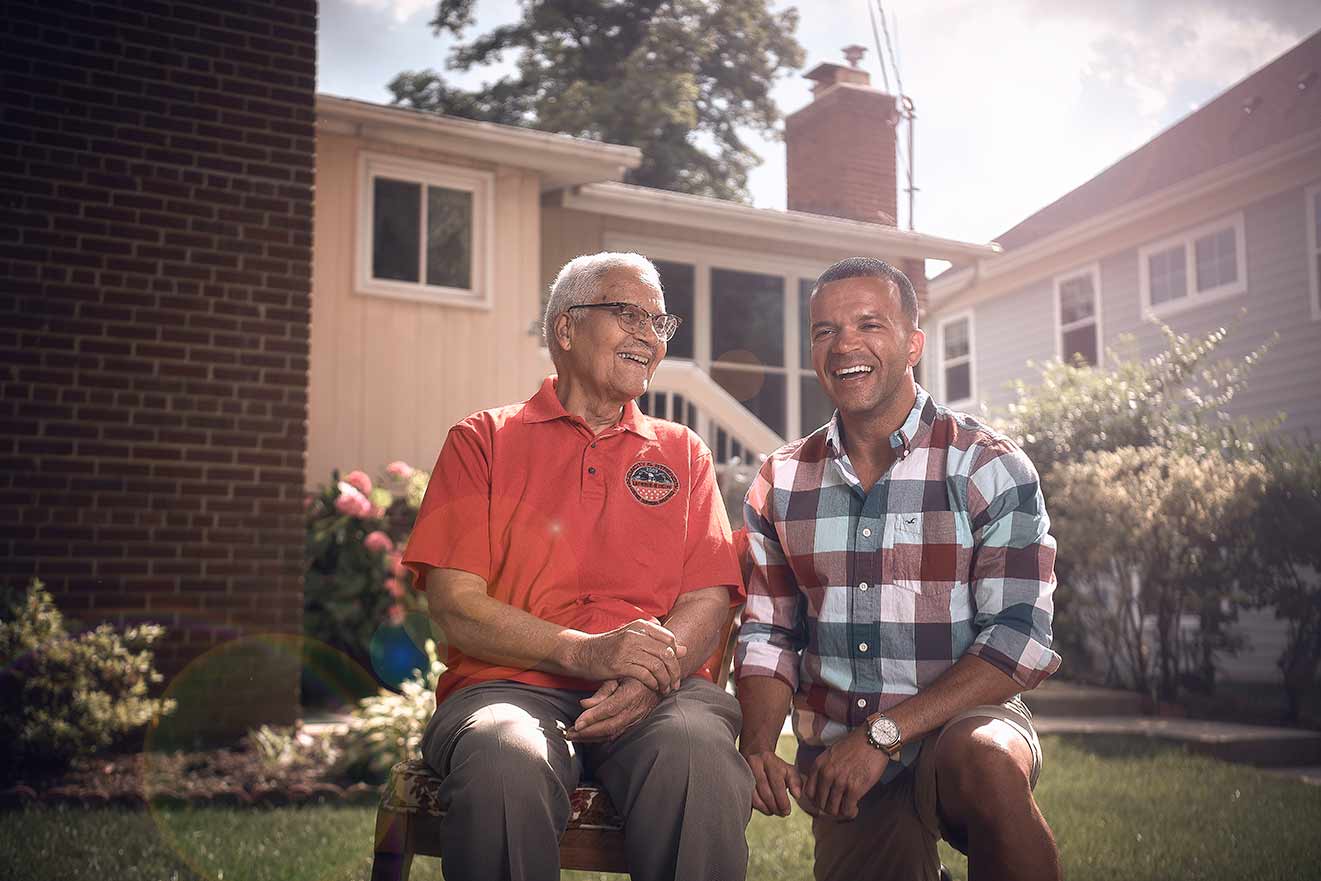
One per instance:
(577,557)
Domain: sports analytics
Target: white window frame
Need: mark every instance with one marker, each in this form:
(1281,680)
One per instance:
(1188,238)
(705,258)
(944,322)
(1313,249)
(1094,270)
(482,186)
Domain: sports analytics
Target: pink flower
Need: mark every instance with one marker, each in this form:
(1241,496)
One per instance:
(395,588)
(396,614)
(352,502)
(400,469)
(378,541)
(396,562)
(360,481)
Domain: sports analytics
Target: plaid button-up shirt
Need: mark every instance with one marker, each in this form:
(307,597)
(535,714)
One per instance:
(858,600)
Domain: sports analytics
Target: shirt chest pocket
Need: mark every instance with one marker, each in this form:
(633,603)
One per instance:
(928,552)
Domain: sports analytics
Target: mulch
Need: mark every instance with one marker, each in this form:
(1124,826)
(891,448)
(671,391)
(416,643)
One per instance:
(234,777)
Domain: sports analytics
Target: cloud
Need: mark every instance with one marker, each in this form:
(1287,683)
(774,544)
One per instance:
(1020,102)
(400,10)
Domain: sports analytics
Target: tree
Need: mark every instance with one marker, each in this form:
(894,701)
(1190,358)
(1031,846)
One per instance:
(678,79)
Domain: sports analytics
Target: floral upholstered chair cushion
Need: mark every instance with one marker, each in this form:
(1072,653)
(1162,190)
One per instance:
(413,788)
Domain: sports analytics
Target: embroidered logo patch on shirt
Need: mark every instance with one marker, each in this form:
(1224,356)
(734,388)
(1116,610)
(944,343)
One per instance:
(651,483)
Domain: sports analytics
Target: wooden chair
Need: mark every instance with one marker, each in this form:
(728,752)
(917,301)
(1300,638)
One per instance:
(409,815)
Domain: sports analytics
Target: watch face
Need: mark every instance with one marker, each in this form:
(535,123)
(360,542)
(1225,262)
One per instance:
(885,732)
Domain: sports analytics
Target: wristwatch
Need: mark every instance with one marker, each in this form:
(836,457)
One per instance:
(883,733)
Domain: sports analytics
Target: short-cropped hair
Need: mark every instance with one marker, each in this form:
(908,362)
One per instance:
(873,267)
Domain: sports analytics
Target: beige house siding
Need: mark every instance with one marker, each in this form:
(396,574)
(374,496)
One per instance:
(389,376)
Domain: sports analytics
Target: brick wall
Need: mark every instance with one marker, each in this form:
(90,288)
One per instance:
(840,155)
(156,254)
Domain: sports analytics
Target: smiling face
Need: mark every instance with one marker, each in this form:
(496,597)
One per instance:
(607,363)
(863,348)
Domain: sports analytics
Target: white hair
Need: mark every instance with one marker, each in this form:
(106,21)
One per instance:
(579,281)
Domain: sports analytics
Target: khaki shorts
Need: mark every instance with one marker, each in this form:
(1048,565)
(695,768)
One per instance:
(899,823)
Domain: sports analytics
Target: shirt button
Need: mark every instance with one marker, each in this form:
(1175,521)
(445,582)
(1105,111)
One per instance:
(862,702)
(866,533)
(593,446)
(862,646)
(591,470)
(862,586)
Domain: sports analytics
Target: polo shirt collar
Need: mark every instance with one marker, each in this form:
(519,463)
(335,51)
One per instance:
(917,425)
(545,406)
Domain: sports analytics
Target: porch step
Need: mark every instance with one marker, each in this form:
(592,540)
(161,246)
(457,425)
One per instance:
(1061,698)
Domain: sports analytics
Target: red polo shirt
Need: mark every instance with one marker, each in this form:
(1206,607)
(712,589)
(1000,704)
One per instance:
(589,532)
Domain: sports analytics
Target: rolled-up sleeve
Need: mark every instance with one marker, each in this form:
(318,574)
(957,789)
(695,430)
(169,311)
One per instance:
(773,632)
(1013,568)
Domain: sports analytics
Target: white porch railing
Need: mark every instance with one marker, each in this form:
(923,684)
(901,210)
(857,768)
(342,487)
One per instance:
(683,392)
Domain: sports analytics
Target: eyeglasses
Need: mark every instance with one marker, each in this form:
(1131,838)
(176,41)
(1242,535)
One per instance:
(631,318)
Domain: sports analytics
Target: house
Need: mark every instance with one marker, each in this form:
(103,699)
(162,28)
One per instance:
(1215,222)
(412,332)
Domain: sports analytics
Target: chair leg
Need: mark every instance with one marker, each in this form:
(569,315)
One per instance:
(392,858)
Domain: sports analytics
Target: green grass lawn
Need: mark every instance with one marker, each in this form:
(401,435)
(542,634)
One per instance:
(1121,808)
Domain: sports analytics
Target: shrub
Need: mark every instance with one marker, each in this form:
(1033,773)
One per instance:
(64,696)
(1174,401)
(387,728)
(1153,533)
(1287,574)
(356,530)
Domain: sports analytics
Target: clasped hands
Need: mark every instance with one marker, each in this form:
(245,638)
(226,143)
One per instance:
(842,775)
(637,664)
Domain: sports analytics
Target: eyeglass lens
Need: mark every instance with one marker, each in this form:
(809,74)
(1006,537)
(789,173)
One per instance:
(665,325)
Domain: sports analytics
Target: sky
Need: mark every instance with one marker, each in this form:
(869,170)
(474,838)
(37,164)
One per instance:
(1017,101)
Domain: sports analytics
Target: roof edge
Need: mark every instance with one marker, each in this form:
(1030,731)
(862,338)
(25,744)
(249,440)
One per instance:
(563,160)
(718,215)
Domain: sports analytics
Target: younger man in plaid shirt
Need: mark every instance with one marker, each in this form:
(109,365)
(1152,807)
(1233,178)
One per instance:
(900,596)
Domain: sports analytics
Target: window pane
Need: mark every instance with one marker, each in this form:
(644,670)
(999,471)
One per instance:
(759,391)
(1080,341)
(805,286)
(1167,275)
(449,237)
(958,382)
(396,206)
(817,408)
(678,281)
(955,339)
(1076,299)
(1217,260)
(747,312)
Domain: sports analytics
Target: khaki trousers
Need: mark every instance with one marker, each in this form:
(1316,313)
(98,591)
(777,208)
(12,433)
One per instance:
(894,836)
(507,771)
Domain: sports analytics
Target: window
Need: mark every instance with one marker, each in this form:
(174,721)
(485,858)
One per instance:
(1077,316)
(1197,266)
(1313,201)
(956,358)
(425,231)
(678,280)
(816,407)
(744,324)
(747,341)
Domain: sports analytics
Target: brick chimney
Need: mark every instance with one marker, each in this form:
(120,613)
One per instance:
(841,148)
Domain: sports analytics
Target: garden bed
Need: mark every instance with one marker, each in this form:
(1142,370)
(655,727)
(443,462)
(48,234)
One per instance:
(232,776)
